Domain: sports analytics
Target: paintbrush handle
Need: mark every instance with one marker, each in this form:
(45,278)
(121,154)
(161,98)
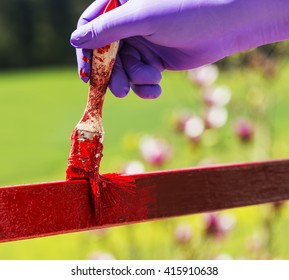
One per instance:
(101,68)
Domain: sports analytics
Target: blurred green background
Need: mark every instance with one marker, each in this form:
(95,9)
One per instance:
(41,100)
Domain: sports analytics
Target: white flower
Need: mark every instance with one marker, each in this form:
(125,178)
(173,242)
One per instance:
(227,221)
(194,127)
(205,75)
(218,225)
(217,96)
(183,233)
(216,117)
(134,167)
(154,151)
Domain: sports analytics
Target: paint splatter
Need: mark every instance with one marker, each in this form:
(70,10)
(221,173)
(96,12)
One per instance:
(103,49)
(86,59)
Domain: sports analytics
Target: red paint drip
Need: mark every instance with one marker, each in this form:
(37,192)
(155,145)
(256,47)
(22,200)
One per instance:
(86,59)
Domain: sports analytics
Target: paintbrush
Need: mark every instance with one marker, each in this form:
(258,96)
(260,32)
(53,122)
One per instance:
(87,136)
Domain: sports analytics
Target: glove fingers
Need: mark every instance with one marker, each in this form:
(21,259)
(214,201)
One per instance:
(83,55)
(110,27)
(119,82)
(147,91)
(148,55)
(137,71)
(83,61)
(144,78)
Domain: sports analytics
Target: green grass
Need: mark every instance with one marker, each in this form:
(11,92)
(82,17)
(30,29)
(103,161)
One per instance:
(39,109)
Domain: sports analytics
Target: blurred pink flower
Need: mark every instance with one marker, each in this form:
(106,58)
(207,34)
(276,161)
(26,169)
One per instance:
(218,225)
(217,96)
(194,128)
(216,117)
(100,256)
(183,233)
(244,130)
(155,151)
(134,167)
(204,76)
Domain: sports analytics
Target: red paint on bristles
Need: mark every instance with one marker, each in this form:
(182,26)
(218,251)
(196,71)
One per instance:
(82,161)
(113,190)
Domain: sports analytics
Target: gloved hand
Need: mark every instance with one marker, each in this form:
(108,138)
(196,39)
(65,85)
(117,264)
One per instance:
(174,35)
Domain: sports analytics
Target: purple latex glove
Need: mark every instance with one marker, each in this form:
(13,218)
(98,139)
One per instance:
(175,35)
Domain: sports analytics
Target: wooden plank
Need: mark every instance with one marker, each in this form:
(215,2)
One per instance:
(29,211)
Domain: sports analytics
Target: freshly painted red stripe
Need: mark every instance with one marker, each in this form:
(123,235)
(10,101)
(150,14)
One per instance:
(66,206)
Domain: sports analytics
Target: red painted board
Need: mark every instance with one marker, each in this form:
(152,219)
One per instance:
(36,210)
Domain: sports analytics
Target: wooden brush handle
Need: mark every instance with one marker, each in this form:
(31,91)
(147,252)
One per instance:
(87,137)
(101,68)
